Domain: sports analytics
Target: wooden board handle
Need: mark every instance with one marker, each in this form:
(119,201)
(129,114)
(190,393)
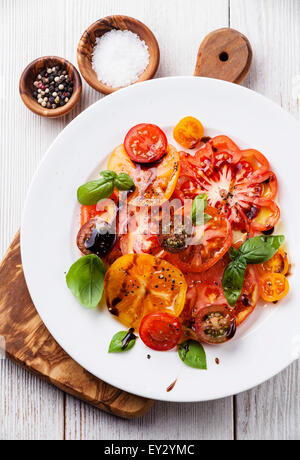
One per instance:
(225,54)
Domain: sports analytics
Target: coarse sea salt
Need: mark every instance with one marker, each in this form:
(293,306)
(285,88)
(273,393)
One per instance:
(119,58)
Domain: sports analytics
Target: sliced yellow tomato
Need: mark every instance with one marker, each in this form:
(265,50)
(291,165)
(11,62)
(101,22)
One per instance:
(138,284)
(277,264)
(154,184)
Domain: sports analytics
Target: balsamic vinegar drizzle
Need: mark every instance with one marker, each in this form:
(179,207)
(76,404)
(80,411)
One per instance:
(101,240)
(128,337)
(170,387)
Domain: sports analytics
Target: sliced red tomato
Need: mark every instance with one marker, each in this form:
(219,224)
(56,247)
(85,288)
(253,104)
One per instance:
(256,159)
(214,242)
(205,290)
(264,214)
(106,209)
(270,186)
(235,182)
(160,331)
(249,297)
(140,236)
(87,213)
(145,143)
(200,295)
(223,144)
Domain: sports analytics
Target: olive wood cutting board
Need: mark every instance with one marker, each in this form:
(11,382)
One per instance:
(30,344)
(225,54)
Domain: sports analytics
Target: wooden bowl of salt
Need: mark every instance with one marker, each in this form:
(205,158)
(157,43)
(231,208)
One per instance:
(117,51)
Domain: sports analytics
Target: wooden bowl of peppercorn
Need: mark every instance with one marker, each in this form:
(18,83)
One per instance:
(50,86)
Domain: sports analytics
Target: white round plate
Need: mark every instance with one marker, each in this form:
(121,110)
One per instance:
(265,344)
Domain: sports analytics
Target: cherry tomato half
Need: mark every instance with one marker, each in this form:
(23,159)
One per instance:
(215,324)
(277,264)
(96,237)
(160,331)
(145,143)
(188,132)
(273,287)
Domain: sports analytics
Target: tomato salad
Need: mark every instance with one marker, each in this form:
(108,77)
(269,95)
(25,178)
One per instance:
(181,243)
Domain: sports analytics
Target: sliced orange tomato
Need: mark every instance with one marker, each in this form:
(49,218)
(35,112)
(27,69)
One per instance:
(273,287)
(188,132)
(277,264)
(154,183)
(138,284)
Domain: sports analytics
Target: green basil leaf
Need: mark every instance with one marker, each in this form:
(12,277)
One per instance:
(116,344)
(108,174)
(233,280)
(85,279)
(124,182)
(233,253)
(192,354)
(198,208)
(259,249)
(94,191)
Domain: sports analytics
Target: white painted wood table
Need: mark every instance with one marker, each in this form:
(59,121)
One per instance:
(29,408)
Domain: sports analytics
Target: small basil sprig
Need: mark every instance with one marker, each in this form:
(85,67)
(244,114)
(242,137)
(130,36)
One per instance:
(199,217)
(192,354)
(96,190)
(118,343)
(256,250)
(85,279)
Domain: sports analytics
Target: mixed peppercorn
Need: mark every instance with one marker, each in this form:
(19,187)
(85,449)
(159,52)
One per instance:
(52,87)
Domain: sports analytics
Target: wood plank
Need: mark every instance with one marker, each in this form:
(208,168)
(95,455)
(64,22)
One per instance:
(169,421)
(272,410)
(29,408)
